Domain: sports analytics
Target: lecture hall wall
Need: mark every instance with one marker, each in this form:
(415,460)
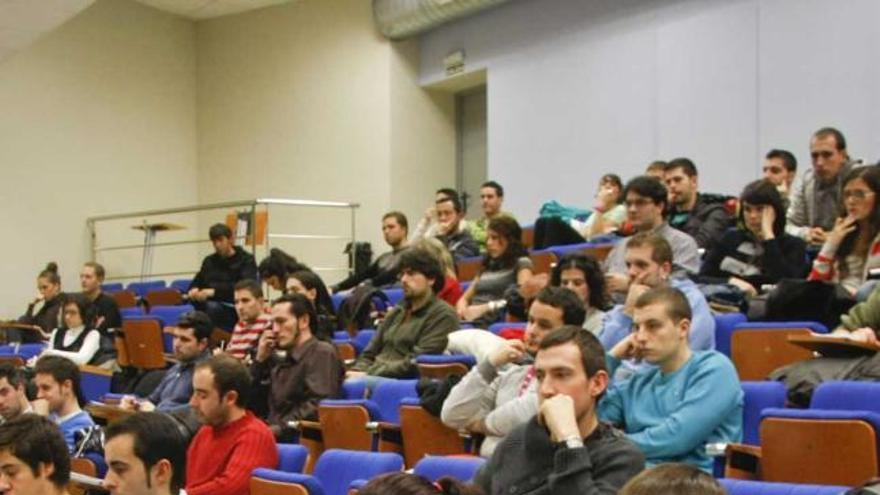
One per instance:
(580,88)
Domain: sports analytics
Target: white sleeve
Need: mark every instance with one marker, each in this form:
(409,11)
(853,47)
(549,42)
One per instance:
(90,346)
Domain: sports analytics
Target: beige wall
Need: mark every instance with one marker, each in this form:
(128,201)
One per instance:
(96,117)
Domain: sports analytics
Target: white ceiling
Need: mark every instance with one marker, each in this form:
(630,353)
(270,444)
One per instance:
(23,21)
(206,9)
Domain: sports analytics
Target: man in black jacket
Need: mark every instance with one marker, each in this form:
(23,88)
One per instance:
(565,449)
(702,216)
(384,270)
(213,288)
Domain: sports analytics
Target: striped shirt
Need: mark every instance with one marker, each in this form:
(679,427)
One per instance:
(245,335)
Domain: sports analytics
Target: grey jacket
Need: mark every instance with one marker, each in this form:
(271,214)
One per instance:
(685,253)
(801,215)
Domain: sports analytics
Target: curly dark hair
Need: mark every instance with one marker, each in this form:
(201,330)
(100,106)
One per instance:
(508,229)
(598,297)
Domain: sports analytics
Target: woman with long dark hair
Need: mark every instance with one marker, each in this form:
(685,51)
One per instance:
(506,265)
(275,268)
(758,251)
(852,248)
(582,275)
(44,312)
(309,284)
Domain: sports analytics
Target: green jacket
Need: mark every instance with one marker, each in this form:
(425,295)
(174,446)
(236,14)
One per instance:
(864,314)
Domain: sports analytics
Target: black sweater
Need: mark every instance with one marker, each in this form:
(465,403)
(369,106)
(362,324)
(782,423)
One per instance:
(739,255)
(221,274)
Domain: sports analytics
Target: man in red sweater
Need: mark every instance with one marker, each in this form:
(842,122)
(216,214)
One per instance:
(233,441)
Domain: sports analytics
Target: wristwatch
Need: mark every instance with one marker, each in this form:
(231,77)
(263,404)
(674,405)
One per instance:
(573,442)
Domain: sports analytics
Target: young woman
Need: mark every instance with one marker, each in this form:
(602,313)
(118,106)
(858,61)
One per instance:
(309,284)
(852,248)
(275,268)
(606,217)
(757,251)
(582,275)
(506,265)
(44,311)
(75,340)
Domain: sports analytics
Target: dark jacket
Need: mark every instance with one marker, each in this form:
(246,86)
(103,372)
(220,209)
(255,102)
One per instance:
(528,462)
(706,223)
(381,272)
(48,318)
(221,274)
(460,244)
(739,255)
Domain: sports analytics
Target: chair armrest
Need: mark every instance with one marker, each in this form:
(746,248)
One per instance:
(743,462)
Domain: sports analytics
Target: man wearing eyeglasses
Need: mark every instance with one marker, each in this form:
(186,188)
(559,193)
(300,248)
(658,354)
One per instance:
(815,200)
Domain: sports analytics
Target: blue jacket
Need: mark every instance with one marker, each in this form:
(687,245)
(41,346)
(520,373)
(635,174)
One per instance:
(176,387)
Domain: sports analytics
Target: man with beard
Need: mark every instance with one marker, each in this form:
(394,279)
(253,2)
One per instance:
(13,398)
(702,216)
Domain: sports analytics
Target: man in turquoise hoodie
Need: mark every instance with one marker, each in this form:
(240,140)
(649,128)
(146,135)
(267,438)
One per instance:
(687,400)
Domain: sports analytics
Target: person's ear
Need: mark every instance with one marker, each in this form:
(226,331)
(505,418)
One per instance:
(162,471)
(684,328)
(665,269)
(230,398)
(46,469)
(598,384)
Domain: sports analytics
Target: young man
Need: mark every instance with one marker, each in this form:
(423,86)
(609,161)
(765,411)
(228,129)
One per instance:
(815,200)
(145,454)
(419,324)
(687,400)
(59,396)
(309,371)
(491,200)
(191,336)
(33,457)
(13,398)
(427,225)
(450,230)
(646,201)
(702,216)
(107,317)
(383,271)
(500,393)
(232,442)
(780,168)
(649,265)
(252,319)
(212,288)
(564,449)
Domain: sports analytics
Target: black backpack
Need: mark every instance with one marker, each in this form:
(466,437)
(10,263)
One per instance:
(362,308)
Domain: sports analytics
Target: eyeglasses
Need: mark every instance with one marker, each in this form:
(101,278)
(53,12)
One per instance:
(857,195)
(637,203)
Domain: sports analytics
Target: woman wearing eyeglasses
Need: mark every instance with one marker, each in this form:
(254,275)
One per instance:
(852,248)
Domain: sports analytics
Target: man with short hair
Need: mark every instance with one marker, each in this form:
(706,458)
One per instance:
(646,201)
(309,371)
(780,168)
(564,449)
(649,265)
(687,400)
(13,397)
(491,200)
(59,395)
(233,442)
(212,289)
(252,319)
(145,454)
(191,340)
(655,169)
(33,457)
(427,225)
(702,216)
(500,393)
(384,270)
(419,324)
(815,200)
(107,317)
(450,229)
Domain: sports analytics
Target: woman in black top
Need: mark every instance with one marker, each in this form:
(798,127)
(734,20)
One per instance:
(44,311)
(757,251)
(309,284)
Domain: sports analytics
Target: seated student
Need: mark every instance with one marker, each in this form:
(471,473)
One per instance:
(780,168)
(564,449)
(500,393)
(419,324)
(145,454)
(309,284)
(506,265)
(491,200)
(33,457)
(687,400)
(428,225)
(655,169)
(13,396)
(252,319)
(852,247)
(107,318)
(702,216)
(606,217)
(680,479)
(646,202)
(75,340)
(212,288)
(649,260)
(383,271)
(452,230)
(44,312)
(275,268)
(451,291)
(233,442)
(582,275)
(309,371)
(59,395)
(191,336)
(757,251)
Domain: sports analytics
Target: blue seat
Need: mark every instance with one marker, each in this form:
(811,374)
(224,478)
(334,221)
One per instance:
(759,396)
(813,326)
(434,467)
(170,314)
(847,395)
(25,351)
(181,285)
(338,299)
(95,385)
(141,288)
(354,389)
(465,359)
(724,326)
(497,327)
(334,471)
(131,312)
(394,295)
(561,251)
(292,457)
(362,339)
(110,288)
(745,487)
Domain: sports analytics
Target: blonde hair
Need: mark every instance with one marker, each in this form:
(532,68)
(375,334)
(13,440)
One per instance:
(438,251)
